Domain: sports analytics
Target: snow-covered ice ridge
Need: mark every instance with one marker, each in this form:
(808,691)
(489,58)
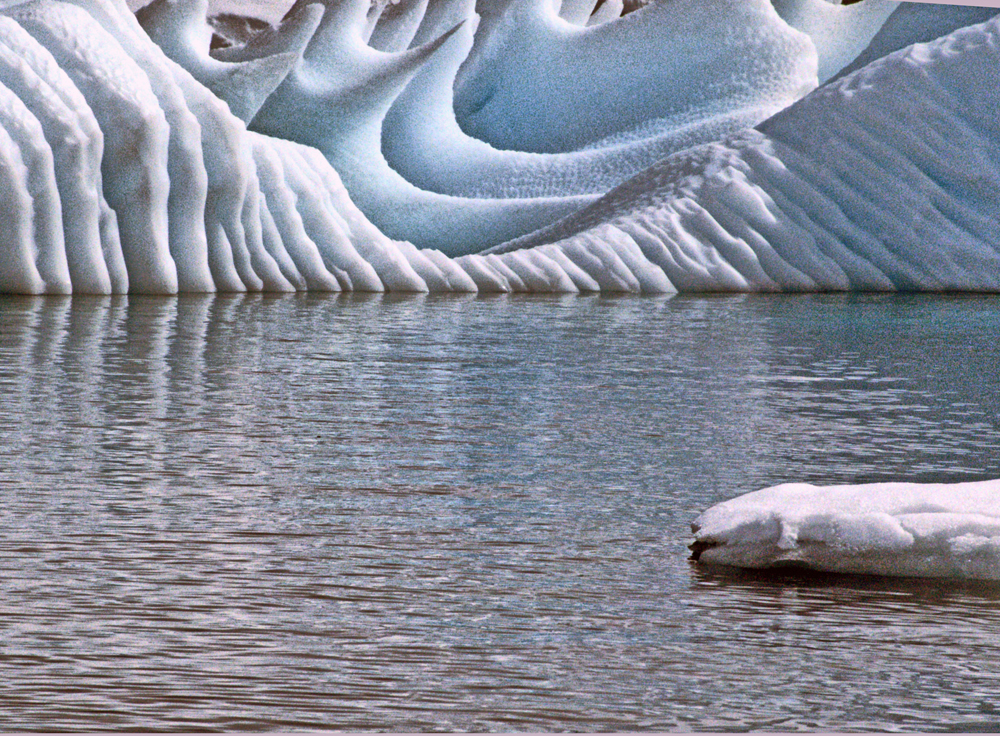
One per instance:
(904,529)
(504,145)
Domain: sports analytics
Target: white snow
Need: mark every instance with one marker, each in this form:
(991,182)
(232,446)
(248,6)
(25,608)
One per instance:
(49,242)
(135,132)
(521,145)
(904,529)
(77,148)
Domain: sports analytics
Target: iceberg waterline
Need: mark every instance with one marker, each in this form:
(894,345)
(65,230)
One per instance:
(524,145)
(902,529)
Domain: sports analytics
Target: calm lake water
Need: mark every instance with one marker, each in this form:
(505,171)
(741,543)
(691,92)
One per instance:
(418,513)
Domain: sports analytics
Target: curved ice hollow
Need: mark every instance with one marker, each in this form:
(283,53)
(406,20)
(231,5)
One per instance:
(123,171)
(904,529)
(618,78)
(336,99)
(423,142)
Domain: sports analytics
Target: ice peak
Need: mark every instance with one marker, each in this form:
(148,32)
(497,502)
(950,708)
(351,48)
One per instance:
(180,28)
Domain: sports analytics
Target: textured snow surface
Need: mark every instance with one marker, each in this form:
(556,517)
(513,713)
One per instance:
(907,529)
(914,22)
(516,145)
(886,179)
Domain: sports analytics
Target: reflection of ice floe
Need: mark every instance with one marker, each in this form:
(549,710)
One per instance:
(906,529)
(523,145)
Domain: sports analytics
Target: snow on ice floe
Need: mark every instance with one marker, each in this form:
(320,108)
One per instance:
(903,529)
(522,145)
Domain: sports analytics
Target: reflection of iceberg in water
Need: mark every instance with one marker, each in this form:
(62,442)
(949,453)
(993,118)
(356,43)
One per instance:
(526,145)
(927,530)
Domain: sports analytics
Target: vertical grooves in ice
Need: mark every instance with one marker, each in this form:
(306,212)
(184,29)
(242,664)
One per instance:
(18,270)
(135,130)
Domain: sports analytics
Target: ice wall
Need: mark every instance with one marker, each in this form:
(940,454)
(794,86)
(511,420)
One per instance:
(905,529)
(523,145)
(194,202)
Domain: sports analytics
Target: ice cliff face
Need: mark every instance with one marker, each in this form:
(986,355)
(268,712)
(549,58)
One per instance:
(521,145)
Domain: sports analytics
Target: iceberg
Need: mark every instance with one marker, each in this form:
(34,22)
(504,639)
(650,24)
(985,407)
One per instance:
(896,529)
(521,145)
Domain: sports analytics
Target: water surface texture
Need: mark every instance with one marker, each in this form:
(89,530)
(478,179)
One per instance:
(416,513)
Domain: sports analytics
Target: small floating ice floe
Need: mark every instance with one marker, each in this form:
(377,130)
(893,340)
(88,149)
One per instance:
(902,529)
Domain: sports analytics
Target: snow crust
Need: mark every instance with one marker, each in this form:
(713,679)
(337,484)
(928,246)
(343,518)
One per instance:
(904,529)
(518,145)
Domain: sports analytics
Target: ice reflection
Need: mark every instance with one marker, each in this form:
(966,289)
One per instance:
(856,644)
(411,513)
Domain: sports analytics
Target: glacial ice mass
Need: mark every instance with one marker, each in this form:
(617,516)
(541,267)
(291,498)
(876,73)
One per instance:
(515,145)
(902,529)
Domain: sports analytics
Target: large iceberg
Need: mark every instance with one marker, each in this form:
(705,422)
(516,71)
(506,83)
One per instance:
(518,145)
(905,529)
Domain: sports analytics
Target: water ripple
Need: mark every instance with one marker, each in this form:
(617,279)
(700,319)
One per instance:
(422,513)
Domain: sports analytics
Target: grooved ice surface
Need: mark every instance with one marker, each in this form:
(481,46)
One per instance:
(885,179)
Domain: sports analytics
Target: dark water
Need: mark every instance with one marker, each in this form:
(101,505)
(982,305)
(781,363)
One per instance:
(406,513)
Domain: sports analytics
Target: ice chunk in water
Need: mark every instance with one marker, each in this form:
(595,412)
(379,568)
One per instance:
(906,529)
